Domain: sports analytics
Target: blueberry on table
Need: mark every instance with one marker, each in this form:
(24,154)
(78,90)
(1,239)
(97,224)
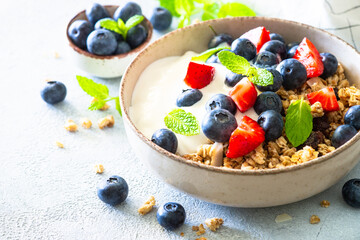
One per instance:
(342,134)
(277,82)
(244,47)
(113,191)
(118,36)
(351,192)
(267,101)
(188,97)
(78,32)
(122,47)
(293,73)
(272,123)
(330,64)
(101,42)
(95,12)
(166,139)
(53,92)
(266,59)
(171,215)
(221,101)
(127,11)
(161,19)
(276,47)
(219,39)
(218,124)
(291,52)
(231,79)
(276,36)
(352,117)
(136,36)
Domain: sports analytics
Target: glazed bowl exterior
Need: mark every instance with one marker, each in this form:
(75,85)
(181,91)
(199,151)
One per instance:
(241,188)
(105,66)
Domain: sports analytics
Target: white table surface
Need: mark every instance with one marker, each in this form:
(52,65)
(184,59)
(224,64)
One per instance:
(49,193)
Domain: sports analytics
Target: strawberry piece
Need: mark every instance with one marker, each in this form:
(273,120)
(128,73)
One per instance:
(245,138)
(309,56)
(199,75)
(326,97)
(258,36)
(243,94)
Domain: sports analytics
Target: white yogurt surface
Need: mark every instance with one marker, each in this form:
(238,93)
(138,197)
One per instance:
(155,96)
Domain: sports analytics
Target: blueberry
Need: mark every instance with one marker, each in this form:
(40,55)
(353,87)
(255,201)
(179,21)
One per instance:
(171,215)
(122,47)
(136,36)
(219,39)
(101,42)
(352,117)
(342,134)
(292,44)
(351,192)
(188,97)
(114,191)
(266,59)
(276,47)
(218,124)
(95,12)
(243,47)
(293,73)
(221,101)
(53,92)
(127,11)
(231,79)
(267,101)
(213,59)
(291,52)
(165,139)
(161,19)
(276,36)
(330,64)
(277,78)
(118,36)
(78,32)
(272,123)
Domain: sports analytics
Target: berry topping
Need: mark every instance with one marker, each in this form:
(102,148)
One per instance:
(231,79)
(171,215)
(352,117)
(244,94)
(268,101)
(244,47)
(277,79)
(161,19)
(272,123)
(221,101)
(342,134)
(165,139)
(275,46)
(127,11)
(220,39)
(326,97)
(114,191)
(276,36)
(330,64)
(258,36)
(95,12)
(136,36)
(293,73)
(188,97)
(351,192)
(101,42)
(199,75)
(218,124)
(78,32)
(53,92)
(291,52)
(266,59)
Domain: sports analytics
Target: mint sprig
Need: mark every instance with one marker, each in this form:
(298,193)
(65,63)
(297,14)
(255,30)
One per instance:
(240,65)
(182,122)
(298,122)
(202,57)
(120,27)
(98,91)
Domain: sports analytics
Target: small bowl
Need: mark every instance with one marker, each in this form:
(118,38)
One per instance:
(105,66)
(233,187)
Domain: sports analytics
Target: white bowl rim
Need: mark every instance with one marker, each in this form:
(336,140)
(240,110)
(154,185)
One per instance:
(191,163)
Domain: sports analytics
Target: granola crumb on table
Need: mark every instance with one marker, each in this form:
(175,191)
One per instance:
(86,123)
(59,144)
(325,204)
(107,121)
(201,238)
(314,219)
(99,168)
(148,206)
(182,234)
(199,229)
(71,126)
(214,223)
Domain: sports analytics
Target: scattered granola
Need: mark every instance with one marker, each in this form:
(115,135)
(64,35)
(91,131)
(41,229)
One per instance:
(104,108)
(201,238)
(214,223)
(147,207)
(59,144)
(199,229)
(182,234)
(99,168)
(325,204)
(107,121)
(86,123)
(283,218)
(71,126)
(56,55)
(314,219)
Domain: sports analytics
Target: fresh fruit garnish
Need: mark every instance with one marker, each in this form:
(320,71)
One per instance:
(276,36)
(101,42)
(78,32)
(114,191)
(188,97)
(243,94)
(199,75)
(171,215)
(352,117)
(342,134)
(272,123)
(231,79)
(268,101)
(53,92)
(351,192)
(222,38)
(293,73)
(127,11)
(95,12)
(277,82)
(309,56)
(246,137)
(330,64)
(182,122)
(221,101)
(326,97)
(266,59)
(276,47)
(244,47)
(165,139)
(161,18)
(258,36)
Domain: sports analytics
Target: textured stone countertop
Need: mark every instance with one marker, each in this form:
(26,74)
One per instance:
(49,193)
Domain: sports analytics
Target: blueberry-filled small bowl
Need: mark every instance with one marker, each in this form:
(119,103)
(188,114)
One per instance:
(105,66)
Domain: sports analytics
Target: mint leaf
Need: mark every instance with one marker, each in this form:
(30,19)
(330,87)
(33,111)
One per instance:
(117,105)
(92,88)
(96,105)
(262,77)
(133,21)
(233,62)
(110,25)
(205,55)
(184,7)
(169,5)
(235,9)
(205,1)
(182,122)
(299,122)
(211,11)
(184,21)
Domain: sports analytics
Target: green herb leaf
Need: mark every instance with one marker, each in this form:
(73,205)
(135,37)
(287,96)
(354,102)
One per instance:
(117,105)
(169,5)
(262,77)
(184,21)
(202,57)
(299,122)
(235,9)
(233,62)
(184,7)
(133,21)
(111,25)
(182,122)
(211,11)
(96,105)
(92,88)
(121,25)
(205,1)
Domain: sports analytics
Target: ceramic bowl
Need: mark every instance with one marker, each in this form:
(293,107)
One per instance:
(241,188)
(105,66)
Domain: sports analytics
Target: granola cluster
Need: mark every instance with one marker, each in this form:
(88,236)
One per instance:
(280,153)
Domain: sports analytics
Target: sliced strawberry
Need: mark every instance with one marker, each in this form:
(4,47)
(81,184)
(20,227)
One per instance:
(245,138)
(258,36)
(326,97)
(309,56)
(243,94)
(199,75)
